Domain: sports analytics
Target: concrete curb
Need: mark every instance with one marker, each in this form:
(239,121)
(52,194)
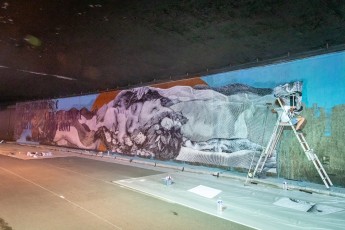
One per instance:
(116,158)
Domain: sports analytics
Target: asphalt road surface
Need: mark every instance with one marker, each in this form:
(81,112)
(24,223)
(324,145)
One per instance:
(78,193)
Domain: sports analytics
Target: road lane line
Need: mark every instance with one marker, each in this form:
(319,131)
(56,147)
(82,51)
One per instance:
(61,197)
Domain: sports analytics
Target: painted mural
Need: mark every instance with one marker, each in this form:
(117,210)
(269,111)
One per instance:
(222,126)
(222,120)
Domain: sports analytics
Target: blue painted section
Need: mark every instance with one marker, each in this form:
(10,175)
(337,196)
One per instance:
(76,102)
(323,78)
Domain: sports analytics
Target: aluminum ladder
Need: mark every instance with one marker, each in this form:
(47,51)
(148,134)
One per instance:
(271,146)
(313,157)
(277,131)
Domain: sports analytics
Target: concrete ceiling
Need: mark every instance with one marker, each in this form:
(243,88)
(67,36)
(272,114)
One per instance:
(55,48)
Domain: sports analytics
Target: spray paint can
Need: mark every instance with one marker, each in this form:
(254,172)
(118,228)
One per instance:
(285,185)
(168,180)
(219,204)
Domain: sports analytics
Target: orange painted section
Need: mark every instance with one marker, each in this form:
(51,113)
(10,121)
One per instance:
(106,97)
(185,82)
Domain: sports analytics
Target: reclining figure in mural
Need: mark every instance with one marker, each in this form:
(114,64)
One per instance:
(165,123)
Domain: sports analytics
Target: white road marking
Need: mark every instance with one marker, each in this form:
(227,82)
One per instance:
(54,193)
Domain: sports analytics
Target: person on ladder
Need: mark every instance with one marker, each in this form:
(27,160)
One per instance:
(290,114)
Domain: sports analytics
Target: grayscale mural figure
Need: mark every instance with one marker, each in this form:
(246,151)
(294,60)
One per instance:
(215,126)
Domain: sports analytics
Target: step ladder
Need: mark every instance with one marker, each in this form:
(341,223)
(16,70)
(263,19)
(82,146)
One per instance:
(267,152)
(271,146)
(313,157)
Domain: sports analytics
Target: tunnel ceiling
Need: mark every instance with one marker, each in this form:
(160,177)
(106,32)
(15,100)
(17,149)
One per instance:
(54,48)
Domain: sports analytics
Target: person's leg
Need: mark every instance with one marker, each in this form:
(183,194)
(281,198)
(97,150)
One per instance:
(300,122)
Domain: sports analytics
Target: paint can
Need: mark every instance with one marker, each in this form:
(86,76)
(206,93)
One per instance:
(219,205)
(168,180)
(285,185)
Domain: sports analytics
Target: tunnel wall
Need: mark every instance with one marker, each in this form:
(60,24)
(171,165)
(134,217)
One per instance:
(222,120)
(6,123)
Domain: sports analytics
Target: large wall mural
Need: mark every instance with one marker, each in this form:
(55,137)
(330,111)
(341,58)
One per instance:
(222,126)
(220,120)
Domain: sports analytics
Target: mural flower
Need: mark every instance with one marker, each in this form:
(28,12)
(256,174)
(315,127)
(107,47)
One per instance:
(165,137)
